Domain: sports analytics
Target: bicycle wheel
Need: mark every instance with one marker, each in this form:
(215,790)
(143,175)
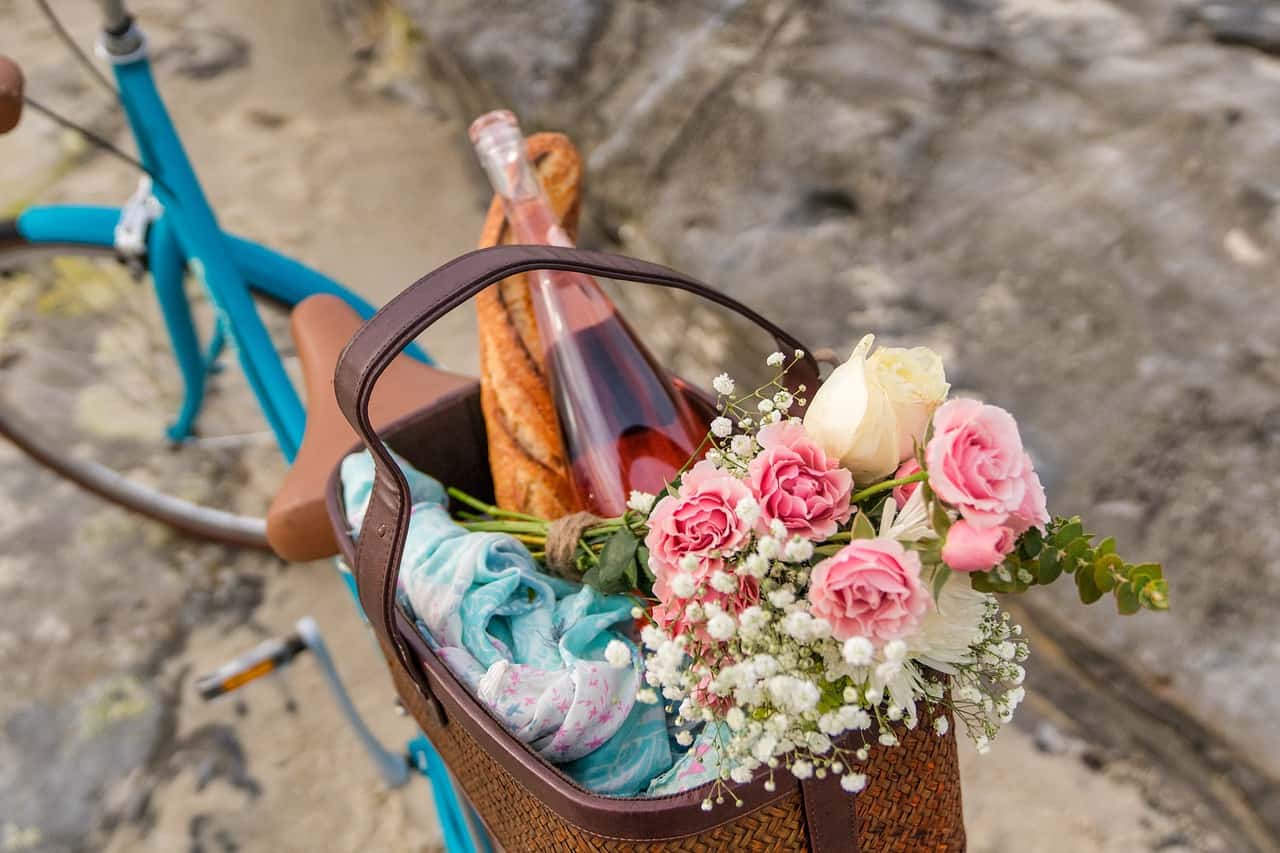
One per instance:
(89,384)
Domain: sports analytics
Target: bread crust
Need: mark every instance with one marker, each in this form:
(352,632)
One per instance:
(526,452)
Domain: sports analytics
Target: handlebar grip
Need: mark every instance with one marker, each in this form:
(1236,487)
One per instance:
(266,658)
(11,85)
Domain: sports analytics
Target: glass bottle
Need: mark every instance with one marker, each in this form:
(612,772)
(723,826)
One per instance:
(623,423)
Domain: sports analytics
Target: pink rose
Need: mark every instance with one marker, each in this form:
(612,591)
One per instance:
(870,588)
(976,549)
(700,520)
(795,483)
(977,465)
(903,493)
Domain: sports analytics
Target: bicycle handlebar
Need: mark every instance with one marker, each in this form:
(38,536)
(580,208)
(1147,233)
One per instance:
(10,94)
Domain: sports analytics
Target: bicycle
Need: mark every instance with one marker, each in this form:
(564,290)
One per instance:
(74,405)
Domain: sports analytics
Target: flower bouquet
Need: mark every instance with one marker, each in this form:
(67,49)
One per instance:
(810,587)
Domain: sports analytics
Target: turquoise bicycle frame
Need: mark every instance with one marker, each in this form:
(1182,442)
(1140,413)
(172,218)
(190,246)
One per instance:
(186,235)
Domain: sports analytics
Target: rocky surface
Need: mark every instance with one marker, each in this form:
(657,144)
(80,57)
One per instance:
(1075,202)
(1072,200)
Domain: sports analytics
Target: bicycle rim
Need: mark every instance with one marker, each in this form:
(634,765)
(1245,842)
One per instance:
(89,384)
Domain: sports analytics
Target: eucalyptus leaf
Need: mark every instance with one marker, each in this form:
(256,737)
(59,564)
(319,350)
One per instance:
(1127,599)
(1048,567)
(1155,595)
(1031,542)
(982,582)
(1144,573)
(1085,586)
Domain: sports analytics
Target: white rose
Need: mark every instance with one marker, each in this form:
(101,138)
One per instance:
(873,408)
(916,384)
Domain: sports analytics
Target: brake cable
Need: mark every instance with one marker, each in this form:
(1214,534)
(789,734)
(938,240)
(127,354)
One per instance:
(53,115)
(76,50)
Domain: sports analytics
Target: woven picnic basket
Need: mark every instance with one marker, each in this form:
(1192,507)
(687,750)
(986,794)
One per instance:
(912,799)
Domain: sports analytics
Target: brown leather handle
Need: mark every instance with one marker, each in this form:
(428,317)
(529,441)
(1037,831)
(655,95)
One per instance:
(379,341)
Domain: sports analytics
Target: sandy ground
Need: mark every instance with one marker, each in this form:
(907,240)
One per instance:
(297,149)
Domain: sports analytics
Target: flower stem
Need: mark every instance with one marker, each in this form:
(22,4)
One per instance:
(515,528)
(859,497)
(489,509)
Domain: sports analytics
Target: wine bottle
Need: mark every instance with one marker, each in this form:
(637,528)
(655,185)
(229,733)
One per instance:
(623,424)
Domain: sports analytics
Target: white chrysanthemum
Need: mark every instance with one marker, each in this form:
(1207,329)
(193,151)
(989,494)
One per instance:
(723,384)
(647,695)
(948,629)
(689,563)
(652,636)
(909,524)
(775,359)
(684,738)
(618,654)
(722,427)
(747,509)
(769,547)
(640,501)
(741,445)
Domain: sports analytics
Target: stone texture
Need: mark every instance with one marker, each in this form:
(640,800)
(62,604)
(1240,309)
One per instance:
(1076,193)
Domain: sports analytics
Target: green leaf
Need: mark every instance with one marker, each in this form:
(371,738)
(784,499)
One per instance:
(1068,532)
(618,562)
(1144,573)
(938,518)
(1105,569)
(1155,595)
(1107,546)
(862,528)
(1127,599)
(642,557)
(1048,568)
(1031,542)
(940,577)
(981,582)
(1089,592)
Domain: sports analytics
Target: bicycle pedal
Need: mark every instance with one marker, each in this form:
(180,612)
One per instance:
(265,658)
